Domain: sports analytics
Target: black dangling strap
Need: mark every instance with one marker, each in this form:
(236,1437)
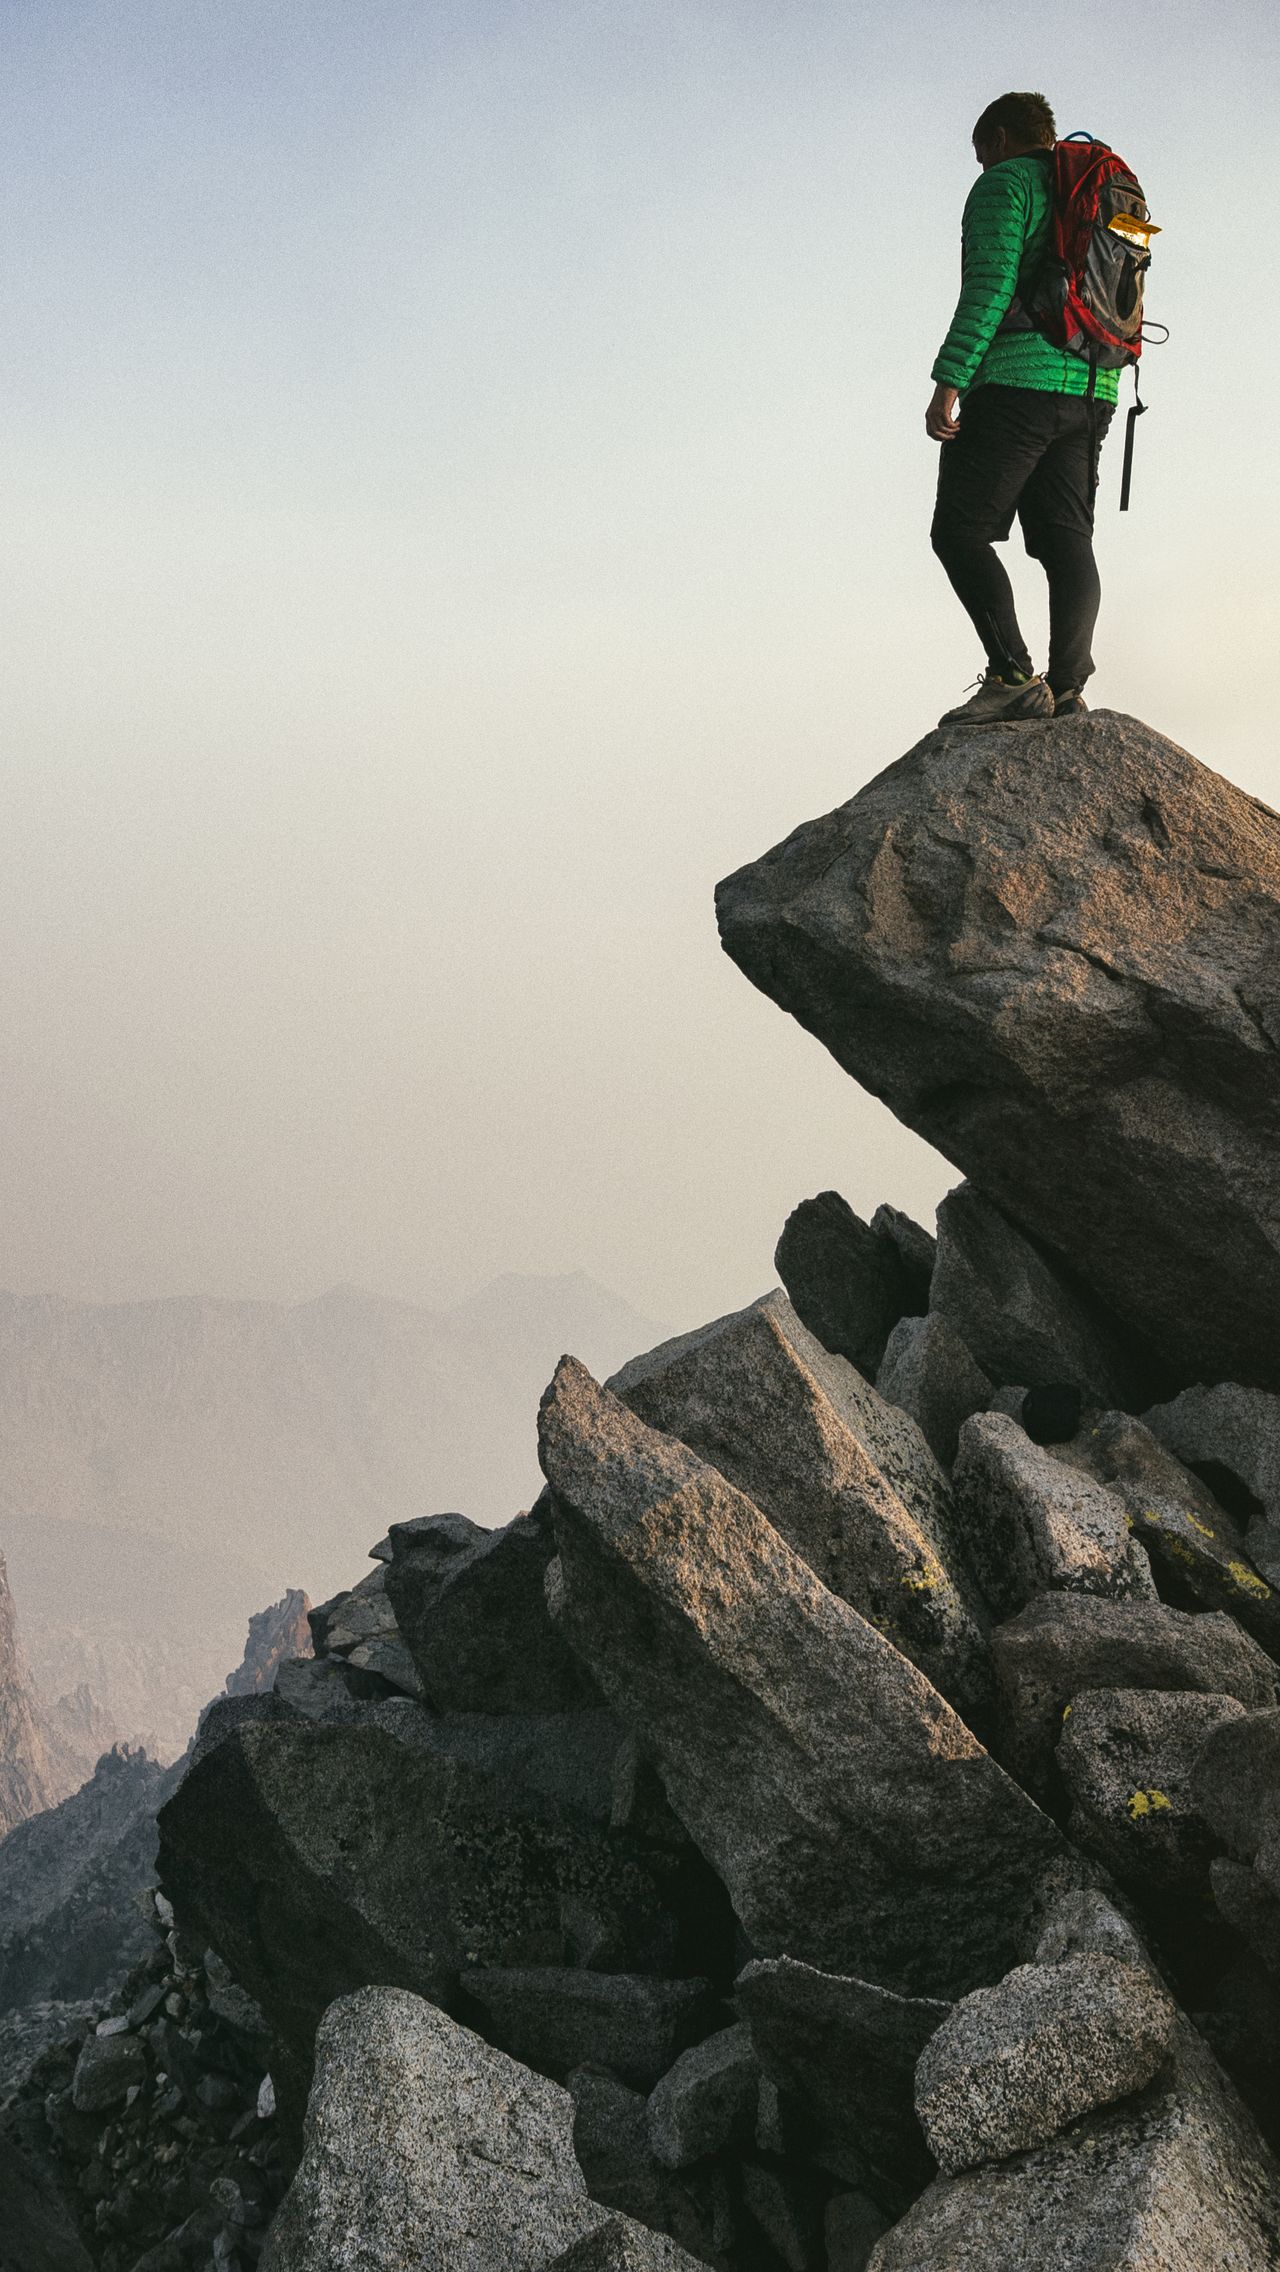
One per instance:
(1095,446)
(1135,413)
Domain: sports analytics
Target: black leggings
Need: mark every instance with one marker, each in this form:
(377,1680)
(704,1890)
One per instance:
(1035,454)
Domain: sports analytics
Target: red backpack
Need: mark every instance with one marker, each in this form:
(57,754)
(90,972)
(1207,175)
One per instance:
(1087,294)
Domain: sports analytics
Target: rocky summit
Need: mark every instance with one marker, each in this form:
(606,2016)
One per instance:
(837,1828)
(1055,952)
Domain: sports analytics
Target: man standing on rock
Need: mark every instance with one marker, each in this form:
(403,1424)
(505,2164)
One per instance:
(1028,436)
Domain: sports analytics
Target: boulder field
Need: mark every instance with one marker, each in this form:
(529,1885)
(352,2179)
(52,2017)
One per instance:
(837,1829)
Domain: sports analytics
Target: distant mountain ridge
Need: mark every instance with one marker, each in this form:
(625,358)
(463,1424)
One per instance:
(168,1466)
(28,1774)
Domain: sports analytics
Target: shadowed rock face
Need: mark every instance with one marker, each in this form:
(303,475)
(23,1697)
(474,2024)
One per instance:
(621,2246)
(851,1281)
(1063,1644)
(397,1847)
(845,2054)
(1055,953)
(855,1821)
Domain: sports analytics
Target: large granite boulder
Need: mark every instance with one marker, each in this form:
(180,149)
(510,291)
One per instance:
(611,2141)
(555,2017)
(855,1820)
(621,2246)
(1012,2065)
(358,1631)
(425,2147)
(1173,2180)
(1053,953)
(707,2100)
(107,2069)
(1236,1780)
(1235,1785)
(1251,1904)
(1128,1757)
(927,1371)
(849,1482)
(852,2227)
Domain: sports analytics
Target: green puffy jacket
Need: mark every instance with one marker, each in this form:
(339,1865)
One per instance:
(1002,237)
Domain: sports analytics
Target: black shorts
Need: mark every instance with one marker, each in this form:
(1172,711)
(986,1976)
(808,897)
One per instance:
(1021,451)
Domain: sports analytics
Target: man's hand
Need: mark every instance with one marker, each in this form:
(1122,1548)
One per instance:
(941,422)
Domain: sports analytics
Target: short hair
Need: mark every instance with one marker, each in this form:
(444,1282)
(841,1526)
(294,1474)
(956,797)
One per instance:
(1025,118)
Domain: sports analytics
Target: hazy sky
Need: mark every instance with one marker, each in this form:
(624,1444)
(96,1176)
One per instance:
(464,491)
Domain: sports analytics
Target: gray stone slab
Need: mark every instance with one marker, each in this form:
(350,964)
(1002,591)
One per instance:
(397,1846)
(554,2018)
(611,2140)
(853,2225)
(1188,1534)
(848,1281)
(106,2070)
(1235,1780)
(854,1819)
(917,1247)
(1014,1311)
(1253,1910)
(803,1436)
(473,1615)
(707,2101)
(783,2208)
(620,2246)
(1237,1430)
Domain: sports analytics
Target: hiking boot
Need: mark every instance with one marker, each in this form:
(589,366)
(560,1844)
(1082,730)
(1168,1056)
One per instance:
(1070,704)
(998,699)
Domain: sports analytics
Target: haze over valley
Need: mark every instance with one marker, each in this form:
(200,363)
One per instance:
(169,1467)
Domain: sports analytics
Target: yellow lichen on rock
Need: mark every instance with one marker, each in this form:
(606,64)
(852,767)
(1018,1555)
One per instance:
(1248,1581)
(1147,1802)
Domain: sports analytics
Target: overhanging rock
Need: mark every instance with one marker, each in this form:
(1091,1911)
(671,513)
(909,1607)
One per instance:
(1055,952)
